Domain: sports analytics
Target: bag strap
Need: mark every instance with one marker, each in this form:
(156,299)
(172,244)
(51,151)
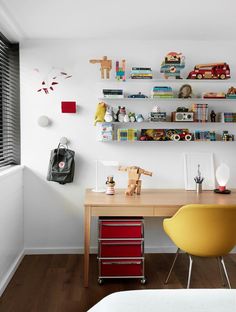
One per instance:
(61,145)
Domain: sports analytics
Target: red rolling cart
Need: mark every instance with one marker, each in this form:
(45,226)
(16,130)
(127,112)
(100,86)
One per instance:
(121,248)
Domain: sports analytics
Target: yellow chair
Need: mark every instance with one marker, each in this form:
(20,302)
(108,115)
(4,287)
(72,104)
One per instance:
(203,231)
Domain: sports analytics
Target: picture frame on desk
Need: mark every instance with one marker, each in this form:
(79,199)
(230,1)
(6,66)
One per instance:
(206,162)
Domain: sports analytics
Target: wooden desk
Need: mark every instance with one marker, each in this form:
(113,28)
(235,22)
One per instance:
(151,203)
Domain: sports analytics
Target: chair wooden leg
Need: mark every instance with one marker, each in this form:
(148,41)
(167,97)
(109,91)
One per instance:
(225,271)
(172,266)
(189,270)
(221,273)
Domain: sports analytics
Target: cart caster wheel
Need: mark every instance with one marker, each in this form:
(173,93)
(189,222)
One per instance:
(100,281)
(143,281)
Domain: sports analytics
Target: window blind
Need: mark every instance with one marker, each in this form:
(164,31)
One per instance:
(9,103)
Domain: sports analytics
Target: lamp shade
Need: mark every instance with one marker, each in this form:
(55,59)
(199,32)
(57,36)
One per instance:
(222,176)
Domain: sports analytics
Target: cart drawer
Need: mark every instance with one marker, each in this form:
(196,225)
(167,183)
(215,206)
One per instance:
(121,268)
(121,229)
(119,248)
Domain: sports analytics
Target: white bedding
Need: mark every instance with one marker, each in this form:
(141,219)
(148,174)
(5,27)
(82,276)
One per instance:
(169,300)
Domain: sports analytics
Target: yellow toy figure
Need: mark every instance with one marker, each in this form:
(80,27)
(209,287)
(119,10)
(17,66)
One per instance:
(134,184)
(100,112)
(106,66)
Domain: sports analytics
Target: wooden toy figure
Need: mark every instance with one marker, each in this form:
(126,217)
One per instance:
(120,70)
(106,66)
(110,183)
(134,182)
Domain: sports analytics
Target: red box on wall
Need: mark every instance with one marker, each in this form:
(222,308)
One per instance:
(68,107)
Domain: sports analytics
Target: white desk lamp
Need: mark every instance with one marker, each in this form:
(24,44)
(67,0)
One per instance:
(106,163)
(222,177)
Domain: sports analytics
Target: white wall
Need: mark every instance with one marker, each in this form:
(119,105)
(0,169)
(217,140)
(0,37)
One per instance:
(11,223)
(54,213)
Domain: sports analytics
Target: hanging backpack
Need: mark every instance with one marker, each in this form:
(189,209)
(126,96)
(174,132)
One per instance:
(62,165)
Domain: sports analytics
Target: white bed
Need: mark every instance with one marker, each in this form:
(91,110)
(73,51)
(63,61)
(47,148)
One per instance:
(169,300)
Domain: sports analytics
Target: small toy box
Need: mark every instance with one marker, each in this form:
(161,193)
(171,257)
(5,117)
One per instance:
(127,135)
(105,132)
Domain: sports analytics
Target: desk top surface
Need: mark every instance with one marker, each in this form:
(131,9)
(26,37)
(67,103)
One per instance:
(158,197)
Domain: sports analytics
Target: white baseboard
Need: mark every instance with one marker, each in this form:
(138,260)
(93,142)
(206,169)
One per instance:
(93,250)
(8,276)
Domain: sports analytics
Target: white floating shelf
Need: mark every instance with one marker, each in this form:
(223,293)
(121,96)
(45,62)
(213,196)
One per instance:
(167,81)
(169,122)
(166,99)
(175,142)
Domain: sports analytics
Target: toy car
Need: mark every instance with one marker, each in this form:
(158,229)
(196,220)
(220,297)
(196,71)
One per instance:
(137,96)
(179,135)
(210,71)
(183,136)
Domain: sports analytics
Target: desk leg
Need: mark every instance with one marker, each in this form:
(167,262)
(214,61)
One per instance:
(87,221)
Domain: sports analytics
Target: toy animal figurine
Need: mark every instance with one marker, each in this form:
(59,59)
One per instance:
(156,109)
(121,113)
(231,90)
(213,116)
(172,65)
(132,117)
(231,93)
(106,66)
(110,183)
(139,118)
(134,182)
(120,71)
(100,112)
(109,114)
(185,92)
(126,118)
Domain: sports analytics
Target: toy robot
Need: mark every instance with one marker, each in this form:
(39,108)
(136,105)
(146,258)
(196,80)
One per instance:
(134,174)
(172,65)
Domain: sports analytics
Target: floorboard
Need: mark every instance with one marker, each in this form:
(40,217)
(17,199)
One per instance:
(54,283)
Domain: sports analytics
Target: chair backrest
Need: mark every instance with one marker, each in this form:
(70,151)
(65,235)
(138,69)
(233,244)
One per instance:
(203,230)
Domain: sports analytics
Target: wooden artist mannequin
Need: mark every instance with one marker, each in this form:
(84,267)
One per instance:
(134,182)
(106,66)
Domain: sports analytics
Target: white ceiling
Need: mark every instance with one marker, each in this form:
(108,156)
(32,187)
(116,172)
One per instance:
(117,19)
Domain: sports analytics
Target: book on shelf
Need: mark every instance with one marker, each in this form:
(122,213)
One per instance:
(227,117)
(204,135)
(200,112)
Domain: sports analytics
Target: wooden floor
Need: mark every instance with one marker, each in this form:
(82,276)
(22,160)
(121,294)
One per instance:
(54,283)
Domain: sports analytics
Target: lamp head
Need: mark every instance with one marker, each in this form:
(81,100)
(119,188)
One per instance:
(222,177)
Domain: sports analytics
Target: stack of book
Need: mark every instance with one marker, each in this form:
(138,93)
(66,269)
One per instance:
(141,73)
(227,117)
(200,112)
(200,135)
(113,93)
(105,133)
(127,135)
(162,92)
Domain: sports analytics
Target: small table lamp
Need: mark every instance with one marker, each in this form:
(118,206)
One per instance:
(106,163)
(222,177)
